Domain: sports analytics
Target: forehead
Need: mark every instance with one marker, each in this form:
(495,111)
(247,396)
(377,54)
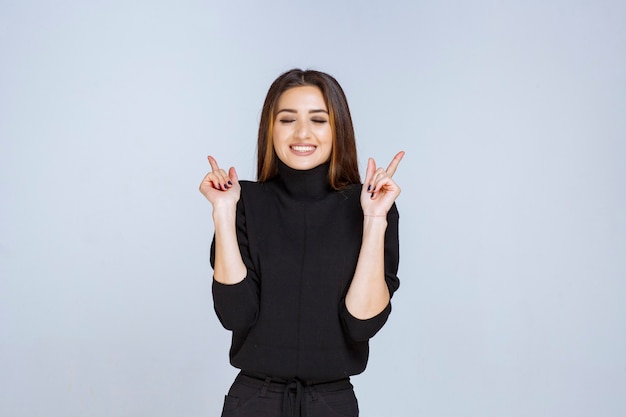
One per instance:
(307,96)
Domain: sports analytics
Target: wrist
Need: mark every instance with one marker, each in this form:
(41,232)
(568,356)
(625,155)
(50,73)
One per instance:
(371,221)
(224,211)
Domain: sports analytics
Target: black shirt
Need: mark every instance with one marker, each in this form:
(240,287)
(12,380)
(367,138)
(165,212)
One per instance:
(300,241)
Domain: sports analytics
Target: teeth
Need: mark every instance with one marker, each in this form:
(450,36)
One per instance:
(303,148)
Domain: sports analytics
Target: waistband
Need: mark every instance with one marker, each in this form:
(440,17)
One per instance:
(277,382)
(294,390)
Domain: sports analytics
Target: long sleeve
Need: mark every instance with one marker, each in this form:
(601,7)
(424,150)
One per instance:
(237,305)
(362,330)
(300,242)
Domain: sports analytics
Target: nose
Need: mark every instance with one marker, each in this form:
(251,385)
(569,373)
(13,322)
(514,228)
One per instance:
(303,130)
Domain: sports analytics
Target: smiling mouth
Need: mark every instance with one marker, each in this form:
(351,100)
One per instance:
(303,148)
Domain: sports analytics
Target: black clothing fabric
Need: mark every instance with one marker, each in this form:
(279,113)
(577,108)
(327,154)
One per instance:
(300,241)
(250,396)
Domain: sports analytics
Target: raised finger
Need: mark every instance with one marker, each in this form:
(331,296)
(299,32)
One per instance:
(393,165)
(213,162)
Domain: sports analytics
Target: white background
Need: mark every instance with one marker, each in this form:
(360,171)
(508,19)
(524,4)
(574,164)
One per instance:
(513,230)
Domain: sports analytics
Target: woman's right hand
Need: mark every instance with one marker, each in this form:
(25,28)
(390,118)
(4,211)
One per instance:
(223,191)
(219,187)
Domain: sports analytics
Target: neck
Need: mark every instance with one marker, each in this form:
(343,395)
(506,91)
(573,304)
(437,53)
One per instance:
(310,184)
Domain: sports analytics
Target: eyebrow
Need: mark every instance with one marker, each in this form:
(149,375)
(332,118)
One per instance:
(296,111)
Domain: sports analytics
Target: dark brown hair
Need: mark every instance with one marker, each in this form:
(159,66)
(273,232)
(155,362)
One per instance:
(344,169)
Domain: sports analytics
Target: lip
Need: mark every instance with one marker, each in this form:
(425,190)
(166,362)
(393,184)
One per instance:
(302,149)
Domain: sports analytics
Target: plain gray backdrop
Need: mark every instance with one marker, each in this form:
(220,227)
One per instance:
(513,232)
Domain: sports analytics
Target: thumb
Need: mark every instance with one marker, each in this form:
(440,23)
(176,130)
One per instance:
(369,173)
(232,174)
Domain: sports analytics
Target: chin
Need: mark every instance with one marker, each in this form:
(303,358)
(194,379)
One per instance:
(300,164)
(305,166)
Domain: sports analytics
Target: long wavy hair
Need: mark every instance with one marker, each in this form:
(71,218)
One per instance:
(344,169)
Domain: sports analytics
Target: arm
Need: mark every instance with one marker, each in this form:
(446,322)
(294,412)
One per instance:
(223,192)
(228,267)
(368,294)
(235,297)
(367,299)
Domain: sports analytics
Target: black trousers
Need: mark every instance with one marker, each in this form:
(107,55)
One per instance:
(255,396)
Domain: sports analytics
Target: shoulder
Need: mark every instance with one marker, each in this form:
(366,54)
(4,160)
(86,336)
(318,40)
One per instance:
(247,184)
(253,190)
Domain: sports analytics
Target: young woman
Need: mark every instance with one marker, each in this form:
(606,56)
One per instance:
(305,259)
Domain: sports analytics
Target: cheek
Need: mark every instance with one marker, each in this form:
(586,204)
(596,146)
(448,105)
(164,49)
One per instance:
(280,133)
(276,137)
(326,135)
(328,148)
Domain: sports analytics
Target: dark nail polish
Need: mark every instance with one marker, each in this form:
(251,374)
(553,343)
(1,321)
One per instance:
(219,187)
(372,196)
(230,183)
(369,187)
(225,186)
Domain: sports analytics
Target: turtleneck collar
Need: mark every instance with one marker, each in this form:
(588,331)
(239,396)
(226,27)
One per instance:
(310,184)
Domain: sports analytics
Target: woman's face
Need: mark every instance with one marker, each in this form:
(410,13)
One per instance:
(302,135)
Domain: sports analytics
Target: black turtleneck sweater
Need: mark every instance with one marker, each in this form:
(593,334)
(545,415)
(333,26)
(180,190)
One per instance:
(300,241)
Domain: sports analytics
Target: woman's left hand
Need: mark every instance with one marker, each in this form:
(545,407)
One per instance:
(379,190)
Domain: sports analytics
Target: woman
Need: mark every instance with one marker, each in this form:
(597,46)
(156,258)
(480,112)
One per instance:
(305,259)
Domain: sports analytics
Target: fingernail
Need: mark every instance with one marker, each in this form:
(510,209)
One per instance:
(369,187)
(219,186)
(225,186)
(230,183)
(372,196)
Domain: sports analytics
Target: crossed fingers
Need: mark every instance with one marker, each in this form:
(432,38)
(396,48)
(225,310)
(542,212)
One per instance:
(218,177)
(379,178)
